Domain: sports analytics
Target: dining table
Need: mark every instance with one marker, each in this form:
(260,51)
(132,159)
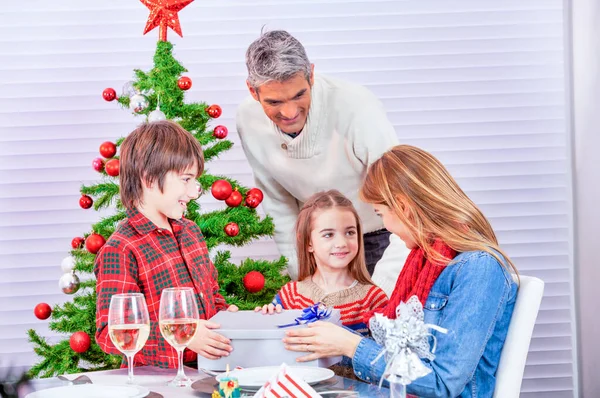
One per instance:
(155,380)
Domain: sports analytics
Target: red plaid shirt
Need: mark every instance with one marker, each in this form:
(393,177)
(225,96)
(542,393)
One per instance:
(139,257)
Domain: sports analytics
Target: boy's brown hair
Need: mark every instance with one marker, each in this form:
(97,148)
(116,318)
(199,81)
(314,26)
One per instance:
(150,152)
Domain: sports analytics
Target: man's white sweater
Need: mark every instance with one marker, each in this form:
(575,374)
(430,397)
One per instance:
(347,130)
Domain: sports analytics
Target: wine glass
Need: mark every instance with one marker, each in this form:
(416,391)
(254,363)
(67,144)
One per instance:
(128,325)
(178,320)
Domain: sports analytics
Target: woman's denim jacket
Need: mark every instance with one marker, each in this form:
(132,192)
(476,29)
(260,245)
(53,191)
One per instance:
(474,299)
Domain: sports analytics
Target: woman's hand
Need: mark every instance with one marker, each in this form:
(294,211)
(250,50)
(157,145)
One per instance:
(321,340)
(210,344)
(269,308)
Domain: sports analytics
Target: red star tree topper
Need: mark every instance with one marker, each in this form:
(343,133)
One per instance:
(163,13)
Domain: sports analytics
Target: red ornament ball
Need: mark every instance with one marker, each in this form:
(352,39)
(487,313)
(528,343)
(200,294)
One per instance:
(85,202)
(254,281)
(184,83)
(220,132)
(221,189)
(214,111)
(109,94)
(108,149)
(77,243)
(232,229)
(256,192)
(235,199)
(252,201)
(98,164)
(231,384)
(80,342)
(112,167)
(42,311)
(94,242)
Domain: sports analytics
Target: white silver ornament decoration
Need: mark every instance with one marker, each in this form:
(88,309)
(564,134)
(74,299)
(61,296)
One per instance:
(67,264)
(156,114)
(69,283)
(405,340)
(129,89)
(138,103)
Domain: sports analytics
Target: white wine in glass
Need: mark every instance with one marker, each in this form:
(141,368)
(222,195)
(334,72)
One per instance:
(128,325)
(179,332)
(178,320)
(129,338)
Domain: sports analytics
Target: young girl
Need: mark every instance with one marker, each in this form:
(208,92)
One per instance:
(331,262)
(455,268)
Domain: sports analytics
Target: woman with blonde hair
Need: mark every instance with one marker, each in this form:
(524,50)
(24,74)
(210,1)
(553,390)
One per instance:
(456,269)
(331,261)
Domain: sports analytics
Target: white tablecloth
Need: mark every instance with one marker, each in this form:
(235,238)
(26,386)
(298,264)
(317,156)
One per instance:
(155,379)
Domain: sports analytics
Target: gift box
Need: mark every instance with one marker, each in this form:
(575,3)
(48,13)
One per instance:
(257,340)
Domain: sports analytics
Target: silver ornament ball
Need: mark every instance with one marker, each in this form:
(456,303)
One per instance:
(69,283)
(129,89)
(67,264)
(138,103)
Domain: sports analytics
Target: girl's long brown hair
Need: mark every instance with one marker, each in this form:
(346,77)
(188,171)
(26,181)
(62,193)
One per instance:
(406,177)
(307,265)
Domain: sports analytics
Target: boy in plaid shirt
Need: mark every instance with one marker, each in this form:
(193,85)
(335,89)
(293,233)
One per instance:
(155,247)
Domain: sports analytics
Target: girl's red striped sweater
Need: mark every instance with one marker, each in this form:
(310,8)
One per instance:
(352,301)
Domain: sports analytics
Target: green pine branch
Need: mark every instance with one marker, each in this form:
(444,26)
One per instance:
(84,261)
(231,280)
(215,150)
(107,225)
(105,194)
(195,119)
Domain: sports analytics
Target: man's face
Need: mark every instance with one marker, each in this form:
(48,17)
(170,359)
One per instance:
(286,103)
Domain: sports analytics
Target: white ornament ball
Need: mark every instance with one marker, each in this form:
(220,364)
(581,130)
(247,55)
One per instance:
(156,115)
(67,264)
(138,103)
(69,283)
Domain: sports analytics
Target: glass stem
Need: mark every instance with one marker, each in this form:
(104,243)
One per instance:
(129,368)
(180,374)
(397,390)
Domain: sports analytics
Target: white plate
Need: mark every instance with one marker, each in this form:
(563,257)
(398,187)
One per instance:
(254,378)
(91,391)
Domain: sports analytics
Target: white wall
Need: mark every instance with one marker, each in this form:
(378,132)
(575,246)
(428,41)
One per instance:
(586,95)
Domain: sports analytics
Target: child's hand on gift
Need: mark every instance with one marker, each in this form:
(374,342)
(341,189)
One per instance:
(210,344)
(269,309)
(233,308)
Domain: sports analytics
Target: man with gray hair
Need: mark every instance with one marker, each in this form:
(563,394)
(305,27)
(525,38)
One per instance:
(303,134)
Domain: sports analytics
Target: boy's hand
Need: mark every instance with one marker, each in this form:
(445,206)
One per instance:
(210,344)
(233,308)
(269,308)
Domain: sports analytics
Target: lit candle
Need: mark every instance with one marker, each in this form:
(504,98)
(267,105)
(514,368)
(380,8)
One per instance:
(229,387)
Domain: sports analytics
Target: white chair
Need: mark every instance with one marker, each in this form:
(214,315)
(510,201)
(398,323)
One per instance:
(514,353)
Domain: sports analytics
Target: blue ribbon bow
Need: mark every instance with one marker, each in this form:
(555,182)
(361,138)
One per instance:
(315,312)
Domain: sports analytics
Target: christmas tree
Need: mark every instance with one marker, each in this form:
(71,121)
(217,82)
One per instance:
(158,94)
